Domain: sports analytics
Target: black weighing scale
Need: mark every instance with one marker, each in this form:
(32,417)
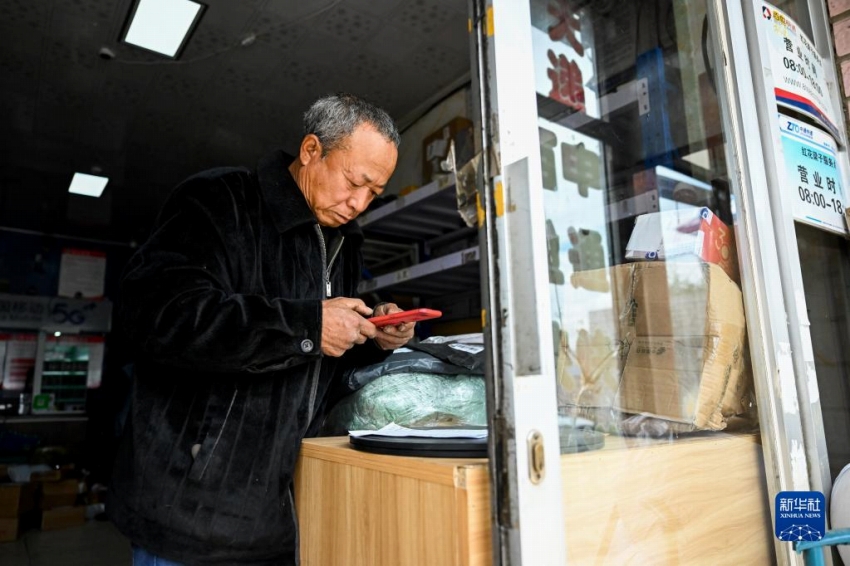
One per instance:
(421,447)
(572,440)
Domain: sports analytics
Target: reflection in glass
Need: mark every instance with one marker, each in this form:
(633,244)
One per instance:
(653,376)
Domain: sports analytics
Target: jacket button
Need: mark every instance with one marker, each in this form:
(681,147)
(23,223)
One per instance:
(306,346)
(195,449)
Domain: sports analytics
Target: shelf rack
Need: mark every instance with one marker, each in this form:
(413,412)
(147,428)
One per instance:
(428,212)
(399,232)
(440,276)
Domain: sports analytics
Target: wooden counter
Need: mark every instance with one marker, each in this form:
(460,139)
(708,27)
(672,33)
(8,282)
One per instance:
(698,500)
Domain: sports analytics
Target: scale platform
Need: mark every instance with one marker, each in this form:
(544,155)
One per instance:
(423,447)
(572,440)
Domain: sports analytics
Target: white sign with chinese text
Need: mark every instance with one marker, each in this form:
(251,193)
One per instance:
(812,174)
(799,76)
(563,56)
(82,273)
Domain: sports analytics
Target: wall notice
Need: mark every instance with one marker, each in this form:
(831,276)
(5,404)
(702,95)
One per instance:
(82,273)
(799,75)
(812,176)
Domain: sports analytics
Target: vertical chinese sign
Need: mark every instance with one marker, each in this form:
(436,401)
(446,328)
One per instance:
(812,177)
(799,78)
(565,74)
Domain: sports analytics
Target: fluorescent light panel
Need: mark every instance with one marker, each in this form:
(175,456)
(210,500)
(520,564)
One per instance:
(89,185)
(162,25)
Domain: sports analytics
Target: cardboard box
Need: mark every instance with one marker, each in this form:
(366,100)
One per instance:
(16,499)
(61,493)
(51,475)
(695,233)
(435,147)
(686,361)
(672,346)
(8,529)
(62,518)
(590,360)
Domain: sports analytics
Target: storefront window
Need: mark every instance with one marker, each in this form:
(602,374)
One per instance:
(656,408)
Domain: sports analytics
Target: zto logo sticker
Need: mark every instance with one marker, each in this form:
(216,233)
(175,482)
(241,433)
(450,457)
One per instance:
(800,515)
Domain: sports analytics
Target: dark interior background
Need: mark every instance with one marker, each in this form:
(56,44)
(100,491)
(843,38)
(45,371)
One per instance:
(147,122)
(238,90)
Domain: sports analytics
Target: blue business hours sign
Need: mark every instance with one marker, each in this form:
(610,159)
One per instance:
(800,515)
(812,175)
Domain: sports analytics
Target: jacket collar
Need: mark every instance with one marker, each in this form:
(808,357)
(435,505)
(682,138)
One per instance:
(286,202)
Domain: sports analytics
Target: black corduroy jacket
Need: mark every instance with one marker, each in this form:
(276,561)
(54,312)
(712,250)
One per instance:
(223,306)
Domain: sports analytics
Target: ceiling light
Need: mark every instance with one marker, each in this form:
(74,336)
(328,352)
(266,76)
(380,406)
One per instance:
(162,26)
(89,185)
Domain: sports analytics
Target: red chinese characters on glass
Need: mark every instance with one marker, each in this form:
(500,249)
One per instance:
(566,25)
(567,87)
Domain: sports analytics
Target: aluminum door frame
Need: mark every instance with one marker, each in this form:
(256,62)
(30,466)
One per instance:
(527,516)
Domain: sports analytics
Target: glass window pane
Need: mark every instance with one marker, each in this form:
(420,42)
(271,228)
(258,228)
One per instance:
(658,426)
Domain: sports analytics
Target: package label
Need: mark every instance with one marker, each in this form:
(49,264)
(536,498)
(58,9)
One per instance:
(683,233)
(799,73)
(812,175)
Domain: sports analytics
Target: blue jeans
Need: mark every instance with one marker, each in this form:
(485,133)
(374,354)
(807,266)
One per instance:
(142,557)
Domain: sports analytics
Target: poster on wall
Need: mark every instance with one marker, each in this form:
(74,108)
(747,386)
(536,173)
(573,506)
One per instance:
(4,340)
(82,273)
(19,364)
(799,74)
(812,174)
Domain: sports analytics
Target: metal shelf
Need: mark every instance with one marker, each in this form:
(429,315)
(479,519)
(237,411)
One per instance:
(50,418)
(451,273)
(378,253)
(428,212)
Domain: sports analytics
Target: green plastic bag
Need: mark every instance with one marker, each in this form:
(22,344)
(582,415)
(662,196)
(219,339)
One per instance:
(410,399)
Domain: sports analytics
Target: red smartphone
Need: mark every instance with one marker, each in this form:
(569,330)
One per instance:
(404,316)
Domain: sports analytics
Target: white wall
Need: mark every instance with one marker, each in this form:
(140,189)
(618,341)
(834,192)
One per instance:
(409,168)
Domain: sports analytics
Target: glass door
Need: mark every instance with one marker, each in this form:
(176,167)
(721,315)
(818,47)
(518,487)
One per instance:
(645,403)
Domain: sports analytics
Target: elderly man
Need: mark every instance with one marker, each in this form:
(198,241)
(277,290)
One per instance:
(241,310)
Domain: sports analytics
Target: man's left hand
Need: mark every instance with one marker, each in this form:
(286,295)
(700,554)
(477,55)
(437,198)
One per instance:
(392,337)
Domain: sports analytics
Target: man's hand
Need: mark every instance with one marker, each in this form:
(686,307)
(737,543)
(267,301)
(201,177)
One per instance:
(344,325)
(392,337)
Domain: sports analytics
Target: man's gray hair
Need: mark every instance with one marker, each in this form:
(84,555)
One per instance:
(335,117)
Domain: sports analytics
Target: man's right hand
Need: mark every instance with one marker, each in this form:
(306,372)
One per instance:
(344,325)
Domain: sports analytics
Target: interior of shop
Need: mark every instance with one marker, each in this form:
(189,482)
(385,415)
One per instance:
(79,98)
(653,367)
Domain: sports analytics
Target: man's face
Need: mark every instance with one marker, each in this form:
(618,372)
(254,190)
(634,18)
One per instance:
(339,186)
